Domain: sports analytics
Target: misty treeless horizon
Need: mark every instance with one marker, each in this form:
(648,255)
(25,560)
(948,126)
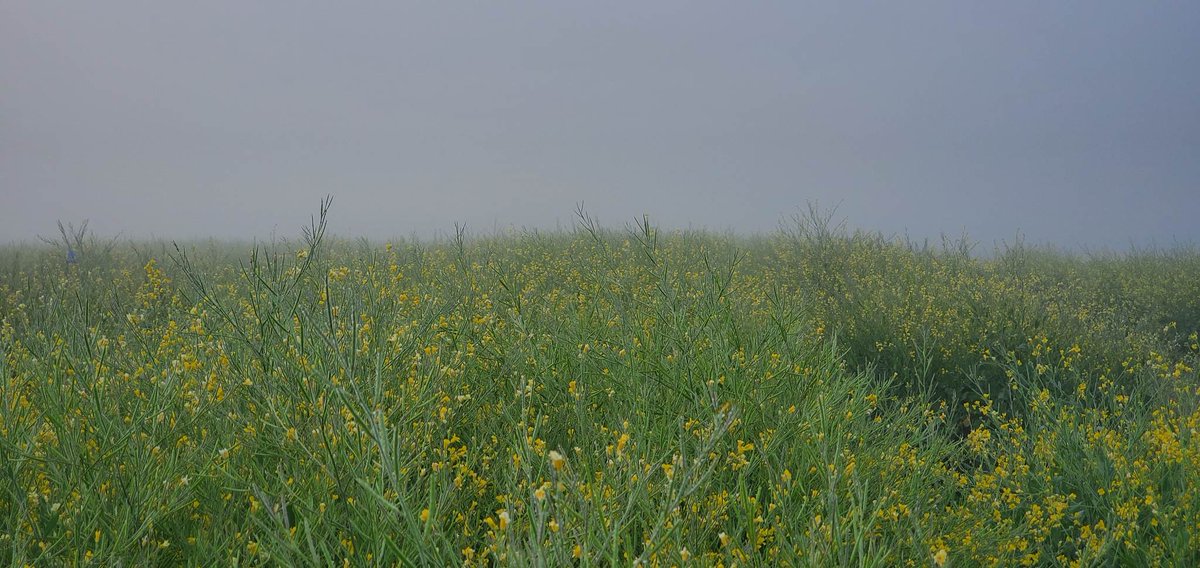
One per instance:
(1067,125)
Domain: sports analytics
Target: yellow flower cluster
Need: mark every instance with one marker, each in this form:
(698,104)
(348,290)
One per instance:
(599,398)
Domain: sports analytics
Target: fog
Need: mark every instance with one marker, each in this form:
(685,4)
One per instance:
(1068,122)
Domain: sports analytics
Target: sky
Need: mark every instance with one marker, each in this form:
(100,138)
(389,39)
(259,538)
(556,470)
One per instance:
(1074,123)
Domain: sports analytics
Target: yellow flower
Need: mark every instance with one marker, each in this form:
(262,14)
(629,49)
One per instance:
(557,461)
(940,557)
(425,515)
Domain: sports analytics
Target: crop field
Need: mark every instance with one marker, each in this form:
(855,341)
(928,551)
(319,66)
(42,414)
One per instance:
(600,396)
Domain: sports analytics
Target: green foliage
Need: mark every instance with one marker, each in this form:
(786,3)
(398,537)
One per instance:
(599,397)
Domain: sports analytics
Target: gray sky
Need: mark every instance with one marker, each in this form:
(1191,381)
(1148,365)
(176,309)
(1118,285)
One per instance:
(1073,122)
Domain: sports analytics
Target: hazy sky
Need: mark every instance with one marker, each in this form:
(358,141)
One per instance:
(1073,122)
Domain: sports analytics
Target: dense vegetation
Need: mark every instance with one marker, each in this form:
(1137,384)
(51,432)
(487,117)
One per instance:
(599,397)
